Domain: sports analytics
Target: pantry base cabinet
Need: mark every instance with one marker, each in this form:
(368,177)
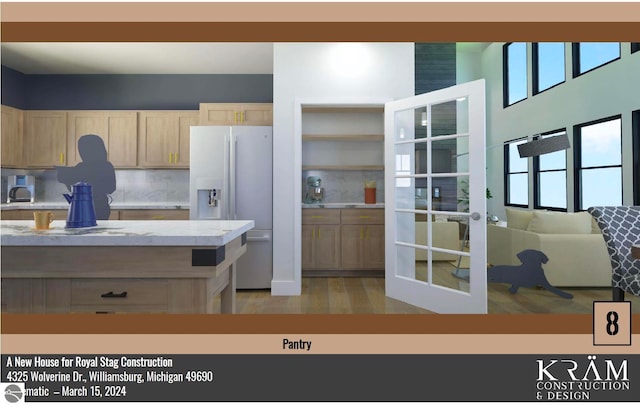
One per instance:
(343,239)
(362,239)
(321,247)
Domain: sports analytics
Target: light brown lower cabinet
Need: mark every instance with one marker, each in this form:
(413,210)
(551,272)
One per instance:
(343,239)
(133,215)
(320,247)
(28,214)
(362,247)
(129,215)
(116,295)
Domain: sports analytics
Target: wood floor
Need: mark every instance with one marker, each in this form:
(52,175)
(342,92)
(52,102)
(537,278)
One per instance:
(365,295)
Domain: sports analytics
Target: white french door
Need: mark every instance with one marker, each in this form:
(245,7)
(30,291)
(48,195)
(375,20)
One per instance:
(435,199)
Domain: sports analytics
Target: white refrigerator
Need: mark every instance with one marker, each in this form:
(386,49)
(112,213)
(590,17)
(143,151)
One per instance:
(230,177)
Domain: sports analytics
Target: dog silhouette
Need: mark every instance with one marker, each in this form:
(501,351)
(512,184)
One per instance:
(528,274)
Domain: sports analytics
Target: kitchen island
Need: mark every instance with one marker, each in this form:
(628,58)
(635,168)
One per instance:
(121,266)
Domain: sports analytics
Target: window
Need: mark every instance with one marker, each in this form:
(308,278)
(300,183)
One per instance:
(590,55)
(514,67)
(635,46)
(548,65)
(636,157)
(598,163)
(516,175)
(550,177)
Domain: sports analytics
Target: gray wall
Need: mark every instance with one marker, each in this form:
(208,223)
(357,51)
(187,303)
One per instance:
(436,69)
(131,92)
(13,88)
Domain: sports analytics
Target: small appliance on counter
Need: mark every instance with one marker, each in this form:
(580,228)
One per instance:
(21,188)
(315,191)
(82,213)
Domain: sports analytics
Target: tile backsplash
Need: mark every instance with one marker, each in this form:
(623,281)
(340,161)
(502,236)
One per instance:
(132,186)
(345,186)
(165,185)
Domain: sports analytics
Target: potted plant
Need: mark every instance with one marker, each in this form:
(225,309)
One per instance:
(463,199)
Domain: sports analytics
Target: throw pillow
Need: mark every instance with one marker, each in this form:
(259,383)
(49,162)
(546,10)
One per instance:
(560,222)
(518,219)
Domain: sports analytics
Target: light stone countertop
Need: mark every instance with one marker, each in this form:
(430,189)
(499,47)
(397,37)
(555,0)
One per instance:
(114,206)
(125,233)
(343,205)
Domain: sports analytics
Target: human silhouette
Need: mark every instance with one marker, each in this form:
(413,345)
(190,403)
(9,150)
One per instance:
(94,169)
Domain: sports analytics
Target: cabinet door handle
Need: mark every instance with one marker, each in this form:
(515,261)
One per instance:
(175,157)
(317,216)
(170,156)
(61,157)
(318,233)
(110,294)
(235,117)
(242,117)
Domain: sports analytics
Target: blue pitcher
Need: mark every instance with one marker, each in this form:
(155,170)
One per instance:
(81,212)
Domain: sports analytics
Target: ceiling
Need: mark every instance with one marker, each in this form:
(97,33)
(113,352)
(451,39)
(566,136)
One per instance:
(148,57)
(138,58)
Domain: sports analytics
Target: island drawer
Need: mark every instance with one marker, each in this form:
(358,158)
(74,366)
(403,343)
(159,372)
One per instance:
(313,216)
(361,216)
(119,294)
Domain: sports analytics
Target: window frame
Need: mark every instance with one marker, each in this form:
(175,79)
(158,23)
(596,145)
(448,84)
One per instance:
(507,173)
(577,160)
(576,59)
(505,74)
(537,171)
(536,71)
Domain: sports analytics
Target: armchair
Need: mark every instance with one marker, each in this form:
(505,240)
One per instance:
(620,228)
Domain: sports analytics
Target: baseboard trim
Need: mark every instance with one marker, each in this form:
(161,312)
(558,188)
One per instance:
(289,287)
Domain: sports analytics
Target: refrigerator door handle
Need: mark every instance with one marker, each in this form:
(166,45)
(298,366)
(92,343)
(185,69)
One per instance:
(232,176)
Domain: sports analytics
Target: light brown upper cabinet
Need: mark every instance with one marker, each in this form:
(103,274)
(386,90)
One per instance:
(45,138)
(11,136)
(236,114)
(163,138)
(118,130)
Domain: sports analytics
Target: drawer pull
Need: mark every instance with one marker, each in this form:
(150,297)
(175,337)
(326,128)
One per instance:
(110,294)
(364,216)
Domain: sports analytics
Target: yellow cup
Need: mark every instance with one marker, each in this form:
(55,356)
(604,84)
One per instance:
(43,219)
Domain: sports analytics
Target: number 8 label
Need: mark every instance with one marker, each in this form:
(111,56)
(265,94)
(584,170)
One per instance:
(612,323)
